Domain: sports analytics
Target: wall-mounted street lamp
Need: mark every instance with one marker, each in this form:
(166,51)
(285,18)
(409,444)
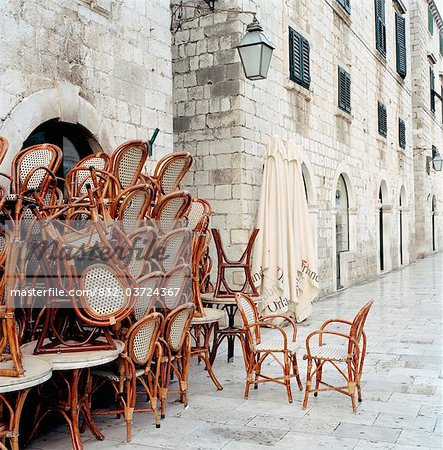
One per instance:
(255,52)
(436,160)
(255,49)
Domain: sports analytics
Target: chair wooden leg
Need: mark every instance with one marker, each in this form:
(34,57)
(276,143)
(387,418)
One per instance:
(318,375)
(308,383)
(287,375)
(296,372)
(257,371)
(352,385)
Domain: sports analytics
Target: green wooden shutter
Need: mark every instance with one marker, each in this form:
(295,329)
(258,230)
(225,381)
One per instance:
(382,120)
(400,37)
(401,133)
(346,5)
(299,64)
(432,86)
(306,69)
(430,21)
(380,26)
(344,90)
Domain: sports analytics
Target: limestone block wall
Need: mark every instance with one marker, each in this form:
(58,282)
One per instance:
(103,63)
(428,129)
(236,117)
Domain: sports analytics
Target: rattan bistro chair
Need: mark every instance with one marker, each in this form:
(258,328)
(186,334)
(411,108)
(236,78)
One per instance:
(170,209)
(352,354)
(255,351)
(140,362)
(176,352)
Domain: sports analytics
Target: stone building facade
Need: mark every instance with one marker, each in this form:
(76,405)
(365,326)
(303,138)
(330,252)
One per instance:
(113,70)
(226,121)
(103,64)
(427,64)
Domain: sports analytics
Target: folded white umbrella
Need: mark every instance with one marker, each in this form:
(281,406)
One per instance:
(284,258)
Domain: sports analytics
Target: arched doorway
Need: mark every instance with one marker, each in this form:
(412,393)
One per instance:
(434,231)
(341,224)
(74,140)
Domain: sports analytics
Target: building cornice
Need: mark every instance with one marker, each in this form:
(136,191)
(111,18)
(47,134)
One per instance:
(436,14)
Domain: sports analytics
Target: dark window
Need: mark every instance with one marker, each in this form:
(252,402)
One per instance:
(74,140)
(400,43)
(432,88)
(346,5)
(401,133)
(299,70)
(344,90)
(382,120)
(430,21)
(380,26)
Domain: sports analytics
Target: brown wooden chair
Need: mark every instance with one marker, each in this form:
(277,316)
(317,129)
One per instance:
(352,354)
(222,287)
(170,210)
(4,144)
(140,363)
(127,162)
(176,352)
(149,295)
(174,248)
(170,171)
(283,350)
(199,214)
(132,206)
(141,257)
(177,287)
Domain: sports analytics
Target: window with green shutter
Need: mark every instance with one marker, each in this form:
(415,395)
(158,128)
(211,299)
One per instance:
(400,43)
(382,119)
(430,21)
(344,90)
(380,26)
(432,88)
(299,65)
(401,133)
(346,5)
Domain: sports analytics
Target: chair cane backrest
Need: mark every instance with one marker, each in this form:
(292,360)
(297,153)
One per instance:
(29,159)
(107,295)
(148,298)
(142,337)
(249,314)
(198,215)
(132,206)
(143,241)
(177,287)
(76,180)
(357,327)
(170,209)
(128,161)
(170,171)
(174,248)
(177,324)
(3,148)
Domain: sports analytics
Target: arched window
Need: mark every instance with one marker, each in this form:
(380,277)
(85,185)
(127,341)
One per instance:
(342,221)
(75,141)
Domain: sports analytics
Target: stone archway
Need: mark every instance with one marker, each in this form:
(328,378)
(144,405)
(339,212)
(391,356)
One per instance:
(62,102)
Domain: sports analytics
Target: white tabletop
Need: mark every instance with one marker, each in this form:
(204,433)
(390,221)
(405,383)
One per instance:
(37,371)
(76,360)
(210,315)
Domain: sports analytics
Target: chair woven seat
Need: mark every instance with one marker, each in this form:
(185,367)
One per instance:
(112,376)
(329,352)
(277,346)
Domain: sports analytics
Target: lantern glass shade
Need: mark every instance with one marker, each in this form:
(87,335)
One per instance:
(255,53)
(437,162)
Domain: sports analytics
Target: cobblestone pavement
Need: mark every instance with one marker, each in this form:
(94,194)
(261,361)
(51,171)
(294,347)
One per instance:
(402,385)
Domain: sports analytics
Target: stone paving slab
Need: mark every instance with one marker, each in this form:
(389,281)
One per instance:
(402,385)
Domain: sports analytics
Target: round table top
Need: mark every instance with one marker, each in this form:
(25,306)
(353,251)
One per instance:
(37,371)
(76,360)
(208,297)
(210,315)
